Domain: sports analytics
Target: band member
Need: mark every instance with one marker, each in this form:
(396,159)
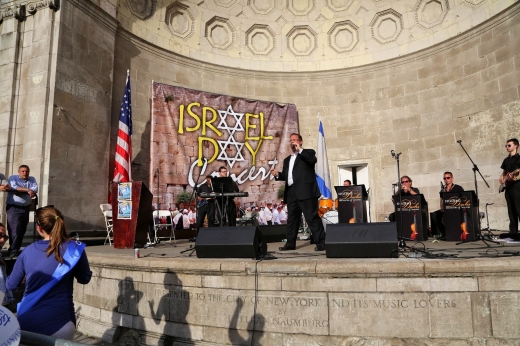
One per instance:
(205,206)
(437,217)
(406,190)
(22,189)
(510,181)
(301,193)
(347,182)
(231,211)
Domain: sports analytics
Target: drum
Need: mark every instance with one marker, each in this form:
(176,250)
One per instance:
(324,205)
(329,217)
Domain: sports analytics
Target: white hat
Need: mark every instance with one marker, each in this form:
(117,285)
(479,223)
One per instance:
(185,211)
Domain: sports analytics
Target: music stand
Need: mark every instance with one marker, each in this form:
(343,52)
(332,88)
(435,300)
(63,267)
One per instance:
(222,185)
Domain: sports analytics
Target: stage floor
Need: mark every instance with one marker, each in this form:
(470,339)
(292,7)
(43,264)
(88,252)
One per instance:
(435,249)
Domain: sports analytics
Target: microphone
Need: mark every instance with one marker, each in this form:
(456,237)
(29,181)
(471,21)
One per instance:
(459,141)
(392,152)
(443,188)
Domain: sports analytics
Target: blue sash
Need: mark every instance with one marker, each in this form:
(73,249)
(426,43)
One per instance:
(70,259)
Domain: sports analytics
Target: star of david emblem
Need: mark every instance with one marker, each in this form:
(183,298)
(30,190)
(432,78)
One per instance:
(223,155)
(223,124)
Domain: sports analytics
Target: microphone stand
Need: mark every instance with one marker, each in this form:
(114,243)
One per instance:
(196,208)
(402,243)
(479,236)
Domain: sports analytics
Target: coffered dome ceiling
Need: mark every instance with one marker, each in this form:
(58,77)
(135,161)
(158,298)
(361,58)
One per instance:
(301,35)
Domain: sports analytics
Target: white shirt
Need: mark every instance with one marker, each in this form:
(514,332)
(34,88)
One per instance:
(282,215)
(261,217)
(276,217)
(268,214)
(290,180)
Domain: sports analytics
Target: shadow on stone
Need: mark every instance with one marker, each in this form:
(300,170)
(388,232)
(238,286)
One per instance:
(255,327)
(174,305)
(125,314)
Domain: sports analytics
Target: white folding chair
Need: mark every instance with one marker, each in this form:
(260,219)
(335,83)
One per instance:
(162,219)
(106,209)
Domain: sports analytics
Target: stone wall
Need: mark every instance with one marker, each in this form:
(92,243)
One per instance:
(303,302)
(57,64)
(420,104)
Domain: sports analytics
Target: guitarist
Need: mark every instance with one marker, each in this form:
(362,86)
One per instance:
(205,206)
(510,178)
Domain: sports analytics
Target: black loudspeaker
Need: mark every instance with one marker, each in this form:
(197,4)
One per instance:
(273,233)
(230,242)
(361,240)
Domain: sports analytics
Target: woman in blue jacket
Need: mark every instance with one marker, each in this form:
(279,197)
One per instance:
(50,266)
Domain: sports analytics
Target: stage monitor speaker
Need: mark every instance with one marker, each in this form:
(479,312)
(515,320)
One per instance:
(230,242)
(361,240)
(273,233)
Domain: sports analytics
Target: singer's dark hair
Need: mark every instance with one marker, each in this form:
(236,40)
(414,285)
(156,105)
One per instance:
(221,168)
(348,181)
(407,177)
(451,174)
(297,134)
(514,140)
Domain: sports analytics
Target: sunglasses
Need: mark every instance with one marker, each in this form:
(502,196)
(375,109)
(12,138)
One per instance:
(509,145)
(446,178)
(5,236)
(405,181)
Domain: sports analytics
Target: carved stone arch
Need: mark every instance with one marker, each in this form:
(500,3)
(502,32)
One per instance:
(179,20)
(142,9)
(386,26)
(301,7)
(429,13)
(343,36)
(301,40)
(260,39)
(220,33)
(339,5)
(262,6)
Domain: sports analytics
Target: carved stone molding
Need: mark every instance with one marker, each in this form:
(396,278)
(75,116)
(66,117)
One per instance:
(386,26)
(339,5)
(219,32)
(301,7)
(179,20)
(225,3)
(301,40)
(473,3)
(142,9)
(262,6)
(260,39)
(343,36)
(429,13)
(21,10)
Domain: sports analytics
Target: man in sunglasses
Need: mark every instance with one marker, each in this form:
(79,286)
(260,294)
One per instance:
(22,189)
(437,217)
(510,180)
(406,190)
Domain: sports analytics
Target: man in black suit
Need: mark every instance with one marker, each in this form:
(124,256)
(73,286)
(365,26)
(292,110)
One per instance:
(301,193)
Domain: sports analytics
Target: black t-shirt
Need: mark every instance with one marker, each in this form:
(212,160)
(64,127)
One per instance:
(510,164)
(205,188)
(455,188)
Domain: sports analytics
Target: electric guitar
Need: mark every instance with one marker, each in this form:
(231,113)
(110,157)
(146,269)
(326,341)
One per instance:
(508,180)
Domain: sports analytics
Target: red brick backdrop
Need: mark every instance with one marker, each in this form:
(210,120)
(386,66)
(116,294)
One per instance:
(196,132)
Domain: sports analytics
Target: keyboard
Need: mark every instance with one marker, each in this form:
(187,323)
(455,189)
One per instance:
(225,194)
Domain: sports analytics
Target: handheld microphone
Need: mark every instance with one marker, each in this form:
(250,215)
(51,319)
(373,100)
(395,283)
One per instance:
(392,152)
(459,141)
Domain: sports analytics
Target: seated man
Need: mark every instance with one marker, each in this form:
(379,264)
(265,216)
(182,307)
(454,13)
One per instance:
(406,190)
(437,217)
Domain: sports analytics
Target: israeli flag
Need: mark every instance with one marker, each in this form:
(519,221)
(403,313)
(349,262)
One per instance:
(322,166)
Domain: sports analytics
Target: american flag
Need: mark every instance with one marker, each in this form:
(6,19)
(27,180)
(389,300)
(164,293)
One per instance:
(123,167)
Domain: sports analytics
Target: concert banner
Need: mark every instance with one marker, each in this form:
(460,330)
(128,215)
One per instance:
(194,132)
